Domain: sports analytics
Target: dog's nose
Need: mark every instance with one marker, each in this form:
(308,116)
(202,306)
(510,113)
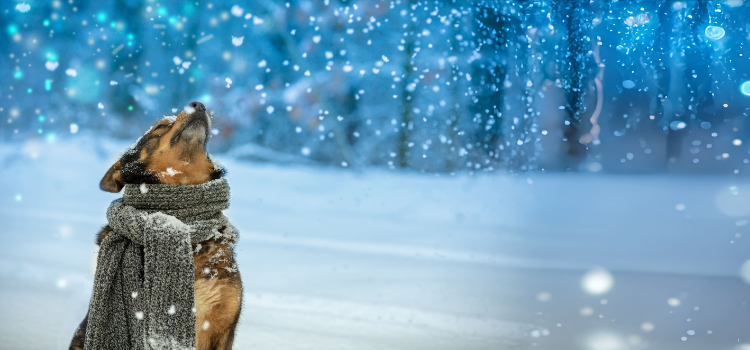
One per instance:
(197,106)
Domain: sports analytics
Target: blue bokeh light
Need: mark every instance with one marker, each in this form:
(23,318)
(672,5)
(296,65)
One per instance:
(715,33)
(745,88)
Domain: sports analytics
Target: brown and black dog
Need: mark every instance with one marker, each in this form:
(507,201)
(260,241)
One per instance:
(174,152)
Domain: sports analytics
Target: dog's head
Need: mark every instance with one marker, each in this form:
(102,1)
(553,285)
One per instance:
(172,152)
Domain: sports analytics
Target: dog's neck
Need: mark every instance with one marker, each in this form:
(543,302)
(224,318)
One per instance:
(186,203)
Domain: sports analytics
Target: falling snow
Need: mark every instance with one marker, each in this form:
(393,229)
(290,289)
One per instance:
(23,7)
(237,41)
(455,91)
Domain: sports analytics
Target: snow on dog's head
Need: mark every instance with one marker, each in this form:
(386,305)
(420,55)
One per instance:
(172,152)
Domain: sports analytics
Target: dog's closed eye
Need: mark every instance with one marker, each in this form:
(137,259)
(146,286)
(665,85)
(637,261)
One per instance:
(160,129)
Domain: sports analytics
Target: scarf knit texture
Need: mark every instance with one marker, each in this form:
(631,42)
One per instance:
(143,295)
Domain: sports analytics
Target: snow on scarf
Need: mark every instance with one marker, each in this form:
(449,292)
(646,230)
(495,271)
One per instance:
(143,295)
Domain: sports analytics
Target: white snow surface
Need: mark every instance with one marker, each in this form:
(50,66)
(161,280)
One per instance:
(347,259)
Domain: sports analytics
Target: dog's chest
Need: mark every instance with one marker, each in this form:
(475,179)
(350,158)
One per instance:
(213,259)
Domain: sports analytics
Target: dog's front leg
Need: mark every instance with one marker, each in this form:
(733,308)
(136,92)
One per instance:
(218,303)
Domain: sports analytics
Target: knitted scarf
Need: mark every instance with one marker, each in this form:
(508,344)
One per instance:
(143,295)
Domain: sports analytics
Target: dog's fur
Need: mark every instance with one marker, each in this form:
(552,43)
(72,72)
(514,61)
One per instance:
(174,152)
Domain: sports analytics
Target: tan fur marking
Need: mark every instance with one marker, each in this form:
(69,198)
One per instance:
(217,302)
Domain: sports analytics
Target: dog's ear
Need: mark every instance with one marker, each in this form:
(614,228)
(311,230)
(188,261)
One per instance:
(112,180)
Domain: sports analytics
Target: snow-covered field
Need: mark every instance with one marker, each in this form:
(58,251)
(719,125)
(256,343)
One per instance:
(340,259)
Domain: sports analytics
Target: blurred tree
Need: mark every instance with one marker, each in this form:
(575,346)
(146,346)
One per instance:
(408,85)
(663,69)
(125,60)
(576,19)
(335,80)
(489,72)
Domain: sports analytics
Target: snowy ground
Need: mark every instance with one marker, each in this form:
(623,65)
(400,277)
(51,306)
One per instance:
(385,260)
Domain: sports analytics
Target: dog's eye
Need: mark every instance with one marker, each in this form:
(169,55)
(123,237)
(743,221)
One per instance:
(160,126)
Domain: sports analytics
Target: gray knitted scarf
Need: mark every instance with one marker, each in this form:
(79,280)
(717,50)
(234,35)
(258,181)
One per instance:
(143,295)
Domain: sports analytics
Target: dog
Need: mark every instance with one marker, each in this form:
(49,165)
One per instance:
(174,152)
